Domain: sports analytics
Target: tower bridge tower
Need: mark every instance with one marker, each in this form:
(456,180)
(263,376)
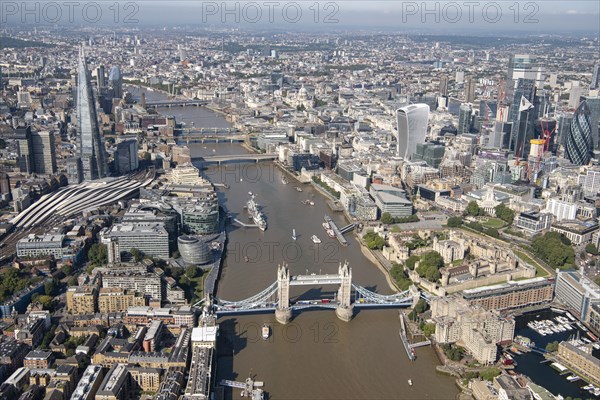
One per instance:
(283,312)
(345,308)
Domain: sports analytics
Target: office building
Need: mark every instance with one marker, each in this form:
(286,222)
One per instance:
(578,232)
(4,186)
(412,123)
(24,150)
(198,214)
(511,295)
(533,222)
(470,86)
(593,104)
(194,250)
(392,200)
(126,156)
(151,239)
(577,292)
(91,145)
(465,114)
(595,84)
(100,76)
(35,246)
(521,114)
(44,152)
(443,89)
(74,171)
(431,153)
(579,142)
(115,82)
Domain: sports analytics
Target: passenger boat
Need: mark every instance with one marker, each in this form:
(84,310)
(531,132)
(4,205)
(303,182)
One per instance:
(266,332)
(330,233)
(315,239)
(410,382)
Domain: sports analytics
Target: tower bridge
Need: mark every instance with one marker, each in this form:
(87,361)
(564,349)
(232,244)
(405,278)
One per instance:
(276,297)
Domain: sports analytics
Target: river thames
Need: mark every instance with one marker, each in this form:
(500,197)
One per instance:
(316,356)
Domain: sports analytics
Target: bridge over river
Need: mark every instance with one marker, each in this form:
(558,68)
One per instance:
(276,297)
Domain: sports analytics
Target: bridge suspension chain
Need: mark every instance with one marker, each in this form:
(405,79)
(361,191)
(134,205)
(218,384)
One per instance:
(401,297)
(253,301)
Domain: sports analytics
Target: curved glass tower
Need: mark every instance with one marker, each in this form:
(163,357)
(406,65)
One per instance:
(412,128)
(579,144)
(91,145)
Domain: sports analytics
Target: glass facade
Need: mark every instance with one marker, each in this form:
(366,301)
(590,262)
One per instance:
(579,143)
(91,145)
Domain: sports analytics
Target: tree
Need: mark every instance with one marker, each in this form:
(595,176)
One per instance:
(454,222)
(552,347)
(72,281)
(191,271)
(98,254)
(551,248)
(428,329)
(412,260)
(50,287)
(489,374)
(374,241)
(591,249)
(504,213)
(386,218)
(430,265)
(473,209)
(493,232)
(137,254)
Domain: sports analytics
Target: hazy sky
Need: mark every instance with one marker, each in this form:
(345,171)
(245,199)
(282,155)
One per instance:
(487,16)
(499,15)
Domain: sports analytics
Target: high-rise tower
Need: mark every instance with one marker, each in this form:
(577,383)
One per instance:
(412,128)
(91,146)
(115,81)
(579,142)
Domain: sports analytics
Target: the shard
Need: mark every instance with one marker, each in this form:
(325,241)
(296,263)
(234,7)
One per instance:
(91,146)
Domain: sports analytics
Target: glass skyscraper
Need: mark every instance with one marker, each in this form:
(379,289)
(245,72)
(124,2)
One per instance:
(412,128)
(91,146)
(579,143)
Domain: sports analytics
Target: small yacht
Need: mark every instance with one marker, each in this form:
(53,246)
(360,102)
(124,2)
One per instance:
(315,239)
(410,382)
(294,237)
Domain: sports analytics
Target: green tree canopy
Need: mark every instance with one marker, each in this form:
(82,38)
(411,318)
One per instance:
(454,222)
(504,213)
(429,266)
(98,254)
(591,249)
(551,248)
(473,209)
(137,254)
